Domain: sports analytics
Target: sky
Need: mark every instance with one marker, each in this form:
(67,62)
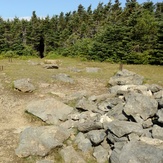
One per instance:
(24,8)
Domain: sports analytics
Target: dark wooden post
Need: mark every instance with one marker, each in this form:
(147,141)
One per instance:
(1,68)
(121,66)
(10,59)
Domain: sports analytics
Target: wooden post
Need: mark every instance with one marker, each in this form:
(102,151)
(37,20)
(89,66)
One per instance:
(1,68)
(121,67)
(10,59)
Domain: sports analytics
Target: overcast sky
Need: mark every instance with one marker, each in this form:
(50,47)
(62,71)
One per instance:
(24,8)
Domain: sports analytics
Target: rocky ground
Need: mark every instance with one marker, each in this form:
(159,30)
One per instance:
(80,120)
(13,119)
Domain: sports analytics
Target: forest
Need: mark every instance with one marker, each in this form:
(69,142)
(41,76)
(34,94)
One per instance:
(132,34)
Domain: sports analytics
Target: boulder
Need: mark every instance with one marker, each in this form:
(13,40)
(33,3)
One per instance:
(160,115)
(138,104)
(122,128)
(124,89)
(40,140)
(64,78)
(137,152)
(92,69)
(24,85)
(49,110)
(157,132)
(100,154)
(85,105)
(45,161)
(154,88)
(89,125)
(69,155)
(85,145)
(126,77)
(96,136)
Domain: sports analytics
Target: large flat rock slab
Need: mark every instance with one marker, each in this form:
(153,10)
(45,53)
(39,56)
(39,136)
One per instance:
(49,110)
(40,140)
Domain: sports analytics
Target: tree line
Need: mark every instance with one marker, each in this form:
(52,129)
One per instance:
(132,34)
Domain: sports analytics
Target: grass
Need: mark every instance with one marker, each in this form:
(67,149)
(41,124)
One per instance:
(32,69)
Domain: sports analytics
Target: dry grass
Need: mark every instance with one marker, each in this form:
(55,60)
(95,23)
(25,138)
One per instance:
(33,70)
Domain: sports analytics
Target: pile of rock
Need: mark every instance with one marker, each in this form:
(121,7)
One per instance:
(123,126)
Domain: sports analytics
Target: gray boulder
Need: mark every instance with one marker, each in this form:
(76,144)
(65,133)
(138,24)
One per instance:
(122,128)
(92,69)
(69,155)
(157,132)
(138,152)
(85,145)
(138,104)
(89,125)
(96,136)
(126,77)
(40,140)
(49,110)
(45,161)
(124,89)
(85,105)
(64,78)
(154,88)
(100,154)
(160,115)
(24,85)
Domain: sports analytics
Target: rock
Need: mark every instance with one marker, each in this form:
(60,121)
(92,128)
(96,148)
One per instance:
(122,128)
(155,88)
(160,115)
(138,104)
(77,95)
(80,136)
(85,145)
(74,69)
(105,145)
(69,155)
(117,112)
(113,138)
(147,123)
(69,124)
(126,77)
(157,132)
(45,161)
(124,89)
(109,104)
(85,105)
(92,69)
(100,154)
(49,110)
(89,125)
(105,120)
(24,85)
(96,136)
(158,95)
(64,78)
(137,152)
(50,66)
(154,142)
(40,140)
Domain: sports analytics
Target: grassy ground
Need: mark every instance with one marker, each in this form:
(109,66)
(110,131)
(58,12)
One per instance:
(29,69)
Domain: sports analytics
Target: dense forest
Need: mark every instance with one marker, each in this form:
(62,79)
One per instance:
(131,34)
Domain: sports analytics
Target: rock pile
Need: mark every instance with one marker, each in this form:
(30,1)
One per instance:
(123,126)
